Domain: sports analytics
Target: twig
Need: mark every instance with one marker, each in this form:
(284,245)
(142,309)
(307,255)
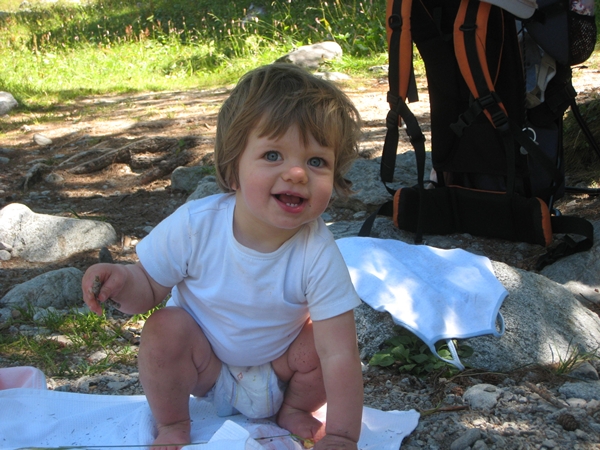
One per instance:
(542,392)
(429,412)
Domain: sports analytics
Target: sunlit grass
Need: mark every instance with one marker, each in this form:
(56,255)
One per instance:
(55,52)
(81,334)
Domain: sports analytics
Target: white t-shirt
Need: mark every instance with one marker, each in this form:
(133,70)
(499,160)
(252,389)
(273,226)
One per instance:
(250,305)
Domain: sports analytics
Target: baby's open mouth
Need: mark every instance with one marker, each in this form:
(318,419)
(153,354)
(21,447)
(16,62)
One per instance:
(290,200)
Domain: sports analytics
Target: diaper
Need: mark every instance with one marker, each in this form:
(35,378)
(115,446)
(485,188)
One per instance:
(255,392)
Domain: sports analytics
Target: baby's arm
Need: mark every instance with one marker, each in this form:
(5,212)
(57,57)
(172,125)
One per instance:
(335,341)
(129,285)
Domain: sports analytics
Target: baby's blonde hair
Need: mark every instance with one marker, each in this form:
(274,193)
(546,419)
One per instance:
(276,97)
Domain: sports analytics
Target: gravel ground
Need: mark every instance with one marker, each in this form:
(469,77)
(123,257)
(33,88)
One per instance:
(527,409)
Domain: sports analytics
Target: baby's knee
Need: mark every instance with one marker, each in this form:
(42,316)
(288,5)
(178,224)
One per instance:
(170,321)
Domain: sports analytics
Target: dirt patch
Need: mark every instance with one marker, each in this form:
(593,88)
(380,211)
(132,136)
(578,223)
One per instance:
(121,194)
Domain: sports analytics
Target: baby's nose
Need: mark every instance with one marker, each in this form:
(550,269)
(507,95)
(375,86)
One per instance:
(296,174)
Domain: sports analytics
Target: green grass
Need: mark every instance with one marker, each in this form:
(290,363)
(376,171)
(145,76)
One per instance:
(53,53)
(85,333)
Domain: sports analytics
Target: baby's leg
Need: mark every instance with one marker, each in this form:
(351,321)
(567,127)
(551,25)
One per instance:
(175,360)
(301,368)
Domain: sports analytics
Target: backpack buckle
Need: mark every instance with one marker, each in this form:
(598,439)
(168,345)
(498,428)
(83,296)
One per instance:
(490,103)
(395,22)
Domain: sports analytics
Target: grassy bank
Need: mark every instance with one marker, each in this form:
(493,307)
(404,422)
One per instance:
(53,52)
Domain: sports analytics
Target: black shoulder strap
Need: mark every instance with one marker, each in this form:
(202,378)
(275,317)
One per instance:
(568,246)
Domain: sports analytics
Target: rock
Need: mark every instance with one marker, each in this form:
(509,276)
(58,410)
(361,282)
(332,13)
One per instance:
(332,76)
(372,329)
(54,178)
(312,56)
(7,102)
(187,178)
(97,356)
(584,371)
(579,273)
(482,396)
(587,390)
(543,322)
(42,140)
(44,238)
(59,289)
(104,256)
(366,182)
(207,186)
(466,440)
(480,445)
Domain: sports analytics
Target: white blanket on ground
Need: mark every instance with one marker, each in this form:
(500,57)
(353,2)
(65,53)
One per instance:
(436,294)
(42,418)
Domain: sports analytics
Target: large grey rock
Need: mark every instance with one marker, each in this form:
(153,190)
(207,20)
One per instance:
(312,56)
(59,289)
(579,273)
(7,102)
(44,238)
(544,322)
(366,182)
(372,329)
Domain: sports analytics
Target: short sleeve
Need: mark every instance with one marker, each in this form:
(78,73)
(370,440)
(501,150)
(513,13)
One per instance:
(329,288)
(166,251)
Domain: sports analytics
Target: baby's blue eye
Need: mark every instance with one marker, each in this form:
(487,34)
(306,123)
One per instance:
(272,156)
(316,162)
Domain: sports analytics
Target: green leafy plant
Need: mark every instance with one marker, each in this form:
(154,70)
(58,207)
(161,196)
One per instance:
(409,354)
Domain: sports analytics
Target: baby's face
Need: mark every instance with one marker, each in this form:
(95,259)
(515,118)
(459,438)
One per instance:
(283,182)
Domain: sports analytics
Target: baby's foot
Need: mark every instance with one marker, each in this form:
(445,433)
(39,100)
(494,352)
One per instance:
(174,433)
(301,423)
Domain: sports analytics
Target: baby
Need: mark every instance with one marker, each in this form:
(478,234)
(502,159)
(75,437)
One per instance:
(260,317)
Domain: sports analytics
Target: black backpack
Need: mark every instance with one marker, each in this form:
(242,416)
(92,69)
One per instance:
(497,164)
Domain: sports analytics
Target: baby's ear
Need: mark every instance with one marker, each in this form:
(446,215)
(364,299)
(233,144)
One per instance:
(233,183)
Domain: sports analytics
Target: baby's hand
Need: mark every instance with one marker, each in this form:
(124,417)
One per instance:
(100,282)
(333,442)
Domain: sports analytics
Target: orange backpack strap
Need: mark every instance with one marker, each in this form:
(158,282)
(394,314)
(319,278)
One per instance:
(399,38)
(402,87)
(470,34)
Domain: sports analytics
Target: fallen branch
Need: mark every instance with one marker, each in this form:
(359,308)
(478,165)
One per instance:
(120,155)
(123,154)
(90,152)
(165,167)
